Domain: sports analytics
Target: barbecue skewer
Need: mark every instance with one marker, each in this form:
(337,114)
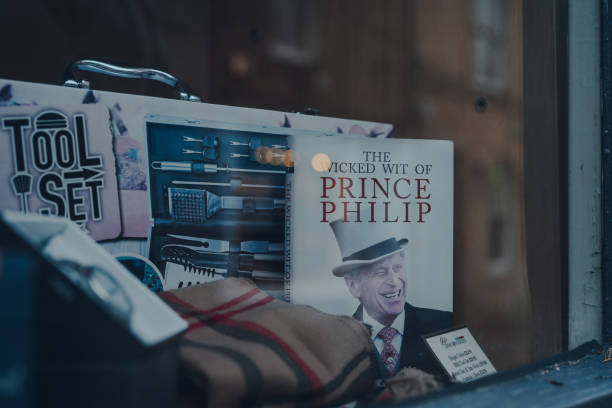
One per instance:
(232,184)
(202,168)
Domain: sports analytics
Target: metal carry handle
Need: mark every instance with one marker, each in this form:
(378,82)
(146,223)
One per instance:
(70,77)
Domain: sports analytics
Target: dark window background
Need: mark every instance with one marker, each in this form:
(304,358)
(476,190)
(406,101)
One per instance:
(435,69)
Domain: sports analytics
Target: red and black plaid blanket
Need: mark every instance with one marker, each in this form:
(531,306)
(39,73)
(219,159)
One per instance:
(245,348)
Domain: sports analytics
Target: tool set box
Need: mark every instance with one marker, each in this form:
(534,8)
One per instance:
(217,194)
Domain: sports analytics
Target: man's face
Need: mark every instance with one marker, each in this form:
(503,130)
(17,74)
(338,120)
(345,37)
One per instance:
(381,288)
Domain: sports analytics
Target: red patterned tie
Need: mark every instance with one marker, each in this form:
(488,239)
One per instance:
(389,354)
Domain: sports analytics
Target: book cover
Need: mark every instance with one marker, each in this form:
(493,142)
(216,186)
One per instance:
(369,233)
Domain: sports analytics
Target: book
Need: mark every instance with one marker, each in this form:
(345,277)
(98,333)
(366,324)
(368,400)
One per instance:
(351,201)
(369,233)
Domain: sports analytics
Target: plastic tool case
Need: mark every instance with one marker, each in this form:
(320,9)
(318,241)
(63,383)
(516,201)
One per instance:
(196,187)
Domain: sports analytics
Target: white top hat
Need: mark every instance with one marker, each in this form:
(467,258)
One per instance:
(362,244)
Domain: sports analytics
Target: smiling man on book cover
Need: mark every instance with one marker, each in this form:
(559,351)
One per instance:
(373,270)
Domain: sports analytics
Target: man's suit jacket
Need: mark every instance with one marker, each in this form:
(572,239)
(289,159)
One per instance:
(414,352)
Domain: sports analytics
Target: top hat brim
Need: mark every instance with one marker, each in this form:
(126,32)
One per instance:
(348,266)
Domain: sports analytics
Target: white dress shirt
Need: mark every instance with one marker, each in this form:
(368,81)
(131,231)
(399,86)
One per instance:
(398,324)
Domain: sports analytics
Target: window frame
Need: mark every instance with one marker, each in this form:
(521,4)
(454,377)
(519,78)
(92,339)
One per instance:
(545,148)
(606,165)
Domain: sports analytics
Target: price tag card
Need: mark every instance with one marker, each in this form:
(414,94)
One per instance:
(460,355)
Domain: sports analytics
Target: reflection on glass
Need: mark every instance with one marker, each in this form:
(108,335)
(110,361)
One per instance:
(436,70)
(320,162)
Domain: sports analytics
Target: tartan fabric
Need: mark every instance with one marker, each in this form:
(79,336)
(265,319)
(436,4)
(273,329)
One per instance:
(245,348)
(389,354)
